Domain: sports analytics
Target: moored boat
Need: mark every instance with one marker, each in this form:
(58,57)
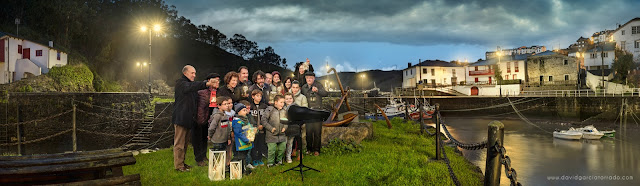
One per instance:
(590,132)
(571,134)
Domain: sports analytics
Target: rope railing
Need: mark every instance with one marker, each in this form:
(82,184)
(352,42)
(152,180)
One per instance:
(122,135)
(107,108)
(36,140)
(154,119)
(37,120)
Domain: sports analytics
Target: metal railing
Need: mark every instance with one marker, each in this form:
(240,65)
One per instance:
(635,92)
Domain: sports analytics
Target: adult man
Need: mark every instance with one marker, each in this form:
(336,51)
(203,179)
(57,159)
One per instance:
(243,86)
(184,113)
(258,78)
(206,104)
(314,92)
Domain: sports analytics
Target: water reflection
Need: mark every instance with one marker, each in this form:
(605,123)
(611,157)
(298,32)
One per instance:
(535,154)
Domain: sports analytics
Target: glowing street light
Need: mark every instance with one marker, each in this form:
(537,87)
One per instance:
(156,28)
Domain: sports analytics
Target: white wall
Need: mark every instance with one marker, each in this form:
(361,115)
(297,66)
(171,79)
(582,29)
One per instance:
(26,65)
(41,61)
(629,39)
(490,90)
(53,59)
(408,77)
(442,75)
(519,75)
(594,81)
(588,61)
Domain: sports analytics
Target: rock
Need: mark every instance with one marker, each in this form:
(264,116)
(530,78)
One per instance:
(356,132)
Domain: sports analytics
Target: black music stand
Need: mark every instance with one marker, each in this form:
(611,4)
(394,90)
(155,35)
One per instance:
(300,167)
(298,116)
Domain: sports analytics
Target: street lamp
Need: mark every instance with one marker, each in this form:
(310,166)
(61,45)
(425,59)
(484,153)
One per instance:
(156,28)
(498,79)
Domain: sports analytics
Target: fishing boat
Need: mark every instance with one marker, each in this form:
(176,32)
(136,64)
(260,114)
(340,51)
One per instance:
(590,132)
(427,112)
(571,134)
(609,133)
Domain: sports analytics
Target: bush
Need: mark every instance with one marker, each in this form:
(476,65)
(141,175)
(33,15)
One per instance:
(101,85)
(72,77)
(26,88)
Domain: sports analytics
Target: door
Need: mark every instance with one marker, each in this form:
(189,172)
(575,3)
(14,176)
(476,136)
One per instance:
(489,80)
(26,53)
(541,80)
(474,91)
(454,81)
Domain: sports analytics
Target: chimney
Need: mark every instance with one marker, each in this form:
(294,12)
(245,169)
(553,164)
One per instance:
(409,65)
(51,44)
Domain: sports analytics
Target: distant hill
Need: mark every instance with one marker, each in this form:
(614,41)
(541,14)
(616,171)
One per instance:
(385,80)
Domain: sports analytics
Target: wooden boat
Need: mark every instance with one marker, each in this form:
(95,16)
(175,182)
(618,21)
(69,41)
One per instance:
(571,134)
(346,119)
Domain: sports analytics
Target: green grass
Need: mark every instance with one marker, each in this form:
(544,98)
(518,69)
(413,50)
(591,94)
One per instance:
(398,156)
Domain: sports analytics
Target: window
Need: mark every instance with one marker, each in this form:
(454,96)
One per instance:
(594,55)
(406,73)
(433,72)
(636,44)
(515,66)
(566,77)
(508,67)
(604,54)
(622,32)
(550,78)
(515,76)
(424,70)
(622,45)
(566,62)
(19,49)
(635,30)
(38,52)
(476,80)
(476,68)
(506,77)
(58,57)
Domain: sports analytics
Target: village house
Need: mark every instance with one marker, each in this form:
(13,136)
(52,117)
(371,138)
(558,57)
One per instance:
(627,37)
(551,68)
(433,73)
(600,57)
(515,51)
(21,58)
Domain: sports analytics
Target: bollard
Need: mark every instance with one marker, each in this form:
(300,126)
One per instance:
(493,168)
(437,131)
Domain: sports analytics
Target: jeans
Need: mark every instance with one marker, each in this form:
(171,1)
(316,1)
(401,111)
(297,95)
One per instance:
(314,136)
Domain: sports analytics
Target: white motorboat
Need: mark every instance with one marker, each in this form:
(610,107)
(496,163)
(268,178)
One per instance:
(571,134)
(590,132)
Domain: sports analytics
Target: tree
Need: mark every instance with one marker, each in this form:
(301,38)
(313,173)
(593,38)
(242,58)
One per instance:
(497,73)
(622,64)
(243,47)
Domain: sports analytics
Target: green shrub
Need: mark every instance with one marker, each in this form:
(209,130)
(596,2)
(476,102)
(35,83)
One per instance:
(340,147)
(74,77)
(26,88)
(102,85)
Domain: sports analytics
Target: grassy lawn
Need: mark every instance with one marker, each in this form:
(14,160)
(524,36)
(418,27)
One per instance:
(398,156)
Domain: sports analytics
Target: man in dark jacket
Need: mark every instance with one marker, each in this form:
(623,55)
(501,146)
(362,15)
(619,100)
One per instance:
(314,92)
(206,103)
(243,84)
(184,113)
(258,78)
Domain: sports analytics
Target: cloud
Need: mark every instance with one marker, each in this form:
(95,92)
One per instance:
(489,23)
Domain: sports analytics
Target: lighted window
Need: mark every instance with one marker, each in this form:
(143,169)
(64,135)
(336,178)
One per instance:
(515,66)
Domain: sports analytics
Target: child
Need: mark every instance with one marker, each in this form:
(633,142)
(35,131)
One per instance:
(259,145)
(241,128)
(275,136)
(293,130)
(219,129)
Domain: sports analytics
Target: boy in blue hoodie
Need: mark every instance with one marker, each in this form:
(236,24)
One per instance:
(241,127)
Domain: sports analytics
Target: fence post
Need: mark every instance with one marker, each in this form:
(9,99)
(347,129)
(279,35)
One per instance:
(73,122)
(18,129)
(493,168)
(437,131)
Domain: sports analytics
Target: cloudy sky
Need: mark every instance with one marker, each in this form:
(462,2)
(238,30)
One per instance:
(380,34)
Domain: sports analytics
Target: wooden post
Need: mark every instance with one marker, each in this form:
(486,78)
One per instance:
(406,110)
(493,167)
(437,131)
(18,129)
(73,122)
(421,110)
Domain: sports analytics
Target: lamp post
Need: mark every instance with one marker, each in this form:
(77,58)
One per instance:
(498,78)
(156,28)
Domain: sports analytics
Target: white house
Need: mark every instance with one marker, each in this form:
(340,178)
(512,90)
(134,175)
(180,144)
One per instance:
(627,37)
(516,51)
(20,58)
(433,73)
(601,56)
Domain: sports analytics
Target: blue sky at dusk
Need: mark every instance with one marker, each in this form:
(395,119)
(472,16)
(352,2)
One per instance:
(372,34)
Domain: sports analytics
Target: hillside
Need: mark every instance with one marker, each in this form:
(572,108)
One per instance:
(385,80)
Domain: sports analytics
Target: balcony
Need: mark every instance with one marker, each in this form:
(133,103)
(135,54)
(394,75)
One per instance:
(481,72)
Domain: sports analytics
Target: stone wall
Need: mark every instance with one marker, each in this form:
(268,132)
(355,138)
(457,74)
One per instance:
(104,117)
(551,65)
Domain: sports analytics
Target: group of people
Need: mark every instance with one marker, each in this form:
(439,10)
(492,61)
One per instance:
(244,117)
